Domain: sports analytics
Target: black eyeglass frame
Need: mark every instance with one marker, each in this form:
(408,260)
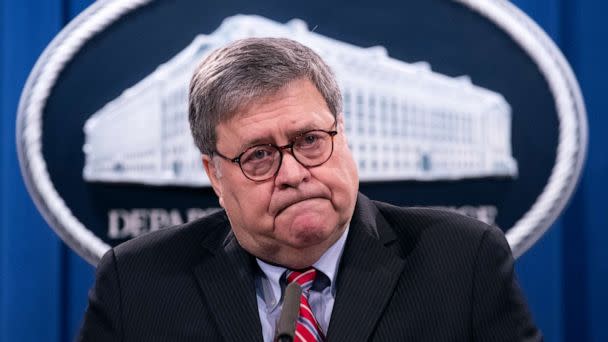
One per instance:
(237,159)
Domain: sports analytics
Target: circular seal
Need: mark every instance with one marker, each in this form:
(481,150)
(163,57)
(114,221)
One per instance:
(461,104)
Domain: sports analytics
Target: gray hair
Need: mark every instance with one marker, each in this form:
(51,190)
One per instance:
(233,76)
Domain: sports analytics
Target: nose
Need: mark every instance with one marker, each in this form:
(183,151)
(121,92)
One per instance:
(291,173)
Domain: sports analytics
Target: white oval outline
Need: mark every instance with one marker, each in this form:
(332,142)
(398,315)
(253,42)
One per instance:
(570,157)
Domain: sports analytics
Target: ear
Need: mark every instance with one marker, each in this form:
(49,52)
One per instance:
(212,174)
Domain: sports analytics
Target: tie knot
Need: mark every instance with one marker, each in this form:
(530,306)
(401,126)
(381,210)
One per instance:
(304,278)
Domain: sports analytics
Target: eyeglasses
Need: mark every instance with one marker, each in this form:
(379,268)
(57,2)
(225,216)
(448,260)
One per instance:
(262,162)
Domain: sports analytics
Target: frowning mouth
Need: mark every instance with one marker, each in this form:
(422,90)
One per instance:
(296,201)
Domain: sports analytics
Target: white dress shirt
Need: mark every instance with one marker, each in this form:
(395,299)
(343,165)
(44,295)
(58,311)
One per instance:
(269,288)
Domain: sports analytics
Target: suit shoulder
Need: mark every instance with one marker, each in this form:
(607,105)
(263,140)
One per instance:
(438,225)
(180,241)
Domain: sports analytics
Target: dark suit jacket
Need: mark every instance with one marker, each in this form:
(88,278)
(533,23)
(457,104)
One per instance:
(405,275)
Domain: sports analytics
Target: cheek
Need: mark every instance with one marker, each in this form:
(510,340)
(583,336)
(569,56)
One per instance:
(342,184)
(347,179)
(345,186)
(248,204)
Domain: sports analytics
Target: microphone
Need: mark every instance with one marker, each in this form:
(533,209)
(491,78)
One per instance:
(286,327)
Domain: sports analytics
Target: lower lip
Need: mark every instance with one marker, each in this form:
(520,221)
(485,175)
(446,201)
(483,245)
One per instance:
(302,202)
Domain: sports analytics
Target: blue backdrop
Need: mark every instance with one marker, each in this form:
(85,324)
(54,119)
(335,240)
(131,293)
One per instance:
(43,284)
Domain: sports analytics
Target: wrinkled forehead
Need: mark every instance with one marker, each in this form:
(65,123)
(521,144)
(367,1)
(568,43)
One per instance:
(292,110)
(237,102)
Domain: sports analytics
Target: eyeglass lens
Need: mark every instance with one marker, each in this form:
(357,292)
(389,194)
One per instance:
(310,149)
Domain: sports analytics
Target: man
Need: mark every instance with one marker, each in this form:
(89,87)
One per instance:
(266,115)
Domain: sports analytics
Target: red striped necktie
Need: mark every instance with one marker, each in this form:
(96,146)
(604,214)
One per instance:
(307,327)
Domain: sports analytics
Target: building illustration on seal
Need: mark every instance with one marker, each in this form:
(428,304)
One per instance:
(403,121)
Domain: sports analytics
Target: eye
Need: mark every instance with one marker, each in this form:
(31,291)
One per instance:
(308,140)
(258,154)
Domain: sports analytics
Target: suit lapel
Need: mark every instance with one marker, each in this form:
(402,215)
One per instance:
(227,282)
(367,276)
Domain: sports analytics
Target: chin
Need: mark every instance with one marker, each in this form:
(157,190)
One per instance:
(306,236)
(306,228)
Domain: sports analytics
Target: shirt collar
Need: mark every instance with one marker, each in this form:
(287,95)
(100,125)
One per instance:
(327,263)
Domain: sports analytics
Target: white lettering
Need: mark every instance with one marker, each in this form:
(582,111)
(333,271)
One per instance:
(159,218)
(137,221)
(124,224)
(176,217)
(117,221)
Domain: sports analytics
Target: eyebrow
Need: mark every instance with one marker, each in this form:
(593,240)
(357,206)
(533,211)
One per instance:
(267,140)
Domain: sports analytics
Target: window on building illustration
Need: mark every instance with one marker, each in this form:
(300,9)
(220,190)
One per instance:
(347,103)
(359,110)
(384,115)
(394,119)
(385,165)
(371,114)
(360,101)
(347,114)
(362,165)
